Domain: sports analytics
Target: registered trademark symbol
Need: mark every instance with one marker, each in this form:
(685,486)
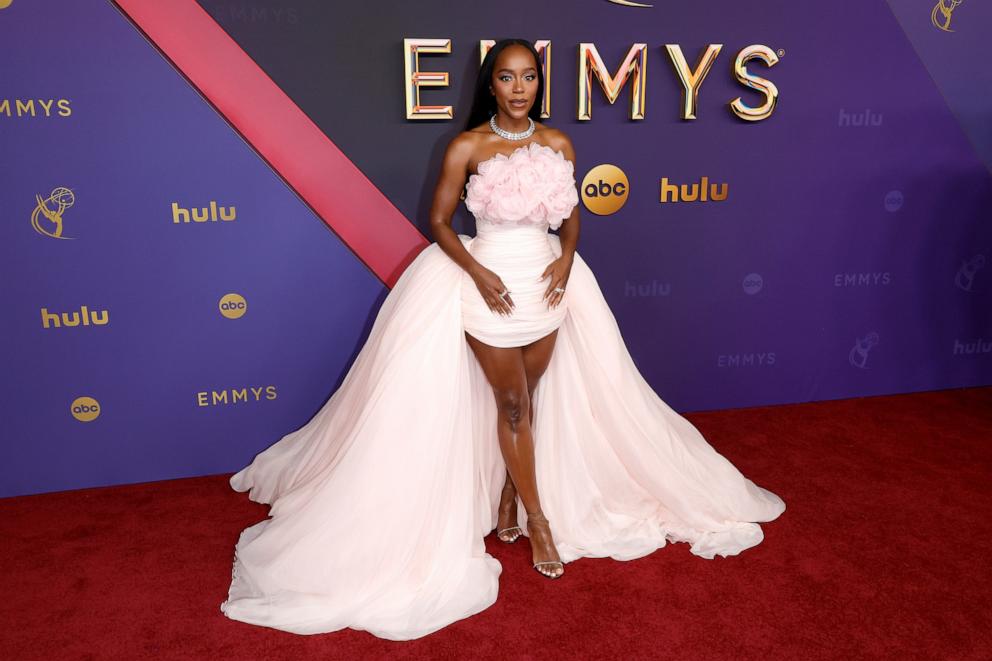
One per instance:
(781,52)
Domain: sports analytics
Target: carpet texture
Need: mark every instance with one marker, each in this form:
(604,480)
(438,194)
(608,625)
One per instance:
(880,554)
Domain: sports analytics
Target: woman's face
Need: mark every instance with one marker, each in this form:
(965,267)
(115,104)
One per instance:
(514,82)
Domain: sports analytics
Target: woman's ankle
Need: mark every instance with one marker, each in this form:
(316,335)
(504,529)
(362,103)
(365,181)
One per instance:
(537,516)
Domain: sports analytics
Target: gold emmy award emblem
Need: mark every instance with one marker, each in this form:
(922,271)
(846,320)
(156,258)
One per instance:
(85,409)
(233,306)
(5,3)
(605,189)
(61,199)
(941,14)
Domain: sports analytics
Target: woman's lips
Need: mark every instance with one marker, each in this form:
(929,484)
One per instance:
(519,104)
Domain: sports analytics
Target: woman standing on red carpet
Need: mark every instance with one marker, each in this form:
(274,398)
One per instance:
(494,376)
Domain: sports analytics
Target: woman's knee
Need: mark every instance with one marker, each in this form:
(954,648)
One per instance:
(512,404)
(531,386)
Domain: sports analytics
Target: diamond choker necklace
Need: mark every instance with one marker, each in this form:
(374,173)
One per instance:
(520,135)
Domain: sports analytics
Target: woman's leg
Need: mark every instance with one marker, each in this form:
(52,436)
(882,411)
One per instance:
(537,356)
(506,517)
(505,370)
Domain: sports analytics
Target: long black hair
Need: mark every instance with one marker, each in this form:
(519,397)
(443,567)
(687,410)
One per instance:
(483,102)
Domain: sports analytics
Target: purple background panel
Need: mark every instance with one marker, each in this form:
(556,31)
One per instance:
(954,60)
(138,139)
(849,258)
(857,204)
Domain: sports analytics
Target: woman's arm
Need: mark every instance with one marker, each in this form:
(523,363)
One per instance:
(568,234)
(447,194)
(569,230)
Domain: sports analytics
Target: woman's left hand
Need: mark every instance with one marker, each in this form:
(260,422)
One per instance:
(558,270)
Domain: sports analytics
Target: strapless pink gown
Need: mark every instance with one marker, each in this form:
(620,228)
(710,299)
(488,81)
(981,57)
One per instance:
(379,504)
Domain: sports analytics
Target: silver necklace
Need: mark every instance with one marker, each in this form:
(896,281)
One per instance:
(503,133)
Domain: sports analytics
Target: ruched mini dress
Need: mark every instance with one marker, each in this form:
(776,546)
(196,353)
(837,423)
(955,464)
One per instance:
(516,199)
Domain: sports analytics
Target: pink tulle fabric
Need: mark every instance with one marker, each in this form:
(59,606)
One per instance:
(535,184)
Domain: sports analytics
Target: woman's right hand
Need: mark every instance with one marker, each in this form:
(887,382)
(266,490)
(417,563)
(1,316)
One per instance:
(490,286)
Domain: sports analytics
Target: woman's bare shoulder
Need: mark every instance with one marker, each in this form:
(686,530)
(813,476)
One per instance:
(463,143)
(556,139)
(461,150)
(481,128)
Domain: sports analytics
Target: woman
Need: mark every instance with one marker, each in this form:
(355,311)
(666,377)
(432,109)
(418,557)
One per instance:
(494,374)
(513,353)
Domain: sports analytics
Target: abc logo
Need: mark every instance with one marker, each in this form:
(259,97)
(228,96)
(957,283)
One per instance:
(893,200)
(604,189)
(85,409)
(753,282)
(233,306)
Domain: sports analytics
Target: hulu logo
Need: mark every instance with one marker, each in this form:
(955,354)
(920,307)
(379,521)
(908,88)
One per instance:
(84,317)
(209,214)
(702,191)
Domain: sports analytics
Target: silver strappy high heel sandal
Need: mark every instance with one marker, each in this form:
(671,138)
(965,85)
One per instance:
(499,534)
(507,486)
(542,520)
(551,562)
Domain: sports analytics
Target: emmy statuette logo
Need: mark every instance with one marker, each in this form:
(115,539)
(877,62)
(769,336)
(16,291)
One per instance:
(5,3)
(964,279)
(46,219)
(605,189)
(85,409)
(941,14)
(233,306)
(858,356)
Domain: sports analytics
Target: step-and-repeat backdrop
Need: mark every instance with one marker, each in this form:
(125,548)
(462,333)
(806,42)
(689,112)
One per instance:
(803,210)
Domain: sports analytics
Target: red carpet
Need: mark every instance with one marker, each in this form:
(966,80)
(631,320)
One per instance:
(882,553)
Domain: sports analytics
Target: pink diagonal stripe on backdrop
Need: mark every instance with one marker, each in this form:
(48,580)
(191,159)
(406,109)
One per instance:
(344,198)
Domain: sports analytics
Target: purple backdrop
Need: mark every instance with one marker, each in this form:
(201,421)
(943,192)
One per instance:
(847,260)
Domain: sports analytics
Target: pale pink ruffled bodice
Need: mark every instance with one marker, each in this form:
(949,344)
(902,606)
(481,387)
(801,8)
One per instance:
(533,185)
